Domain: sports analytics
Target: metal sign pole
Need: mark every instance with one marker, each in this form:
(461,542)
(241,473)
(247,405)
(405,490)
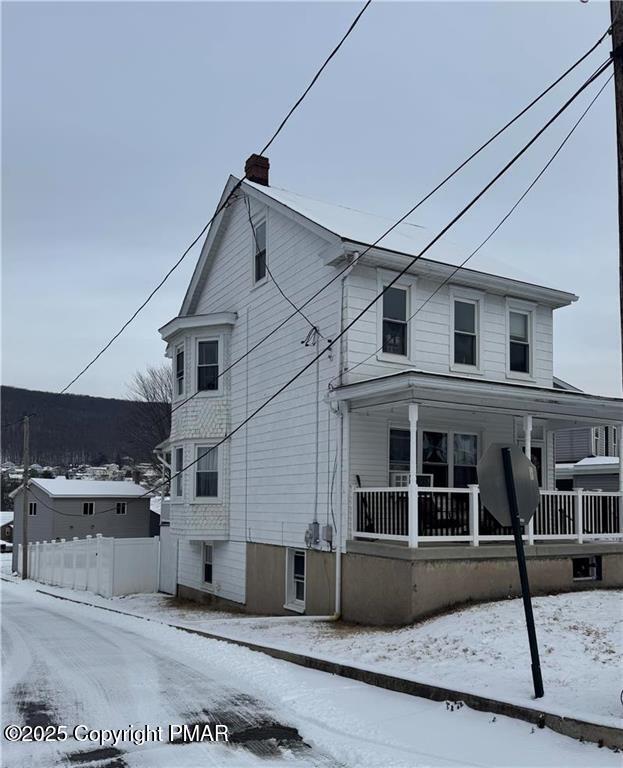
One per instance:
(523,571)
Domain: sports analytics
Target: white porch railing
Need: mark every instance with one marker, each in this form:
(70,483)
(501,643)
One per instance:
(456,514)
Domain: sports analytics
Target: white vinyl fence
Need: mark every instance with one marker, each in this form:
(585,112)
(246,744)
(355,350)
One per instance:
(106,566)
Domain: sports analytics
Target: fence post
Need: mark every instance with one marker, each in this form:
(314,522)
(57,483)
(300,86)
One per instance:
(579,515)
(74,548)
(89,547)
(98,562)
(473,514)
(61,578)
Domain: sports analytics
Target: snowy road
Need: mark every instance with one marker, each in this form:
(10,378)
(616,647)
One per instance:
(67,664)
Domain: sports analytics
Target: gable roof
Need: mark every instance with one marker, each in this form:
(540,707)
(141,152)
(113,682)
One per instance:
(350,225)
(111,489)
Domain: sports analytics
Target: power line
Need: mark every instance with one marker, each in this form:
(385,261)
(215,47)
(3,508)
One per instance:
(17,421)
(481,148)
(221,207)
(371,303)
(493,231)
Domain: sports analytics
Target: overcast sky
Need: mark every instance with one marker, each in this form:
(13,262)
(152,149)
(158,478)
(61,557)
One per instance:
(122,121)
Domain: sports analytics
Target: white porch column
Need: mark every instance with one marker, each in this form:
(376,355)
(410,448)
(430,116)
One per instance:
(473,514)
(527,428)
(413,500)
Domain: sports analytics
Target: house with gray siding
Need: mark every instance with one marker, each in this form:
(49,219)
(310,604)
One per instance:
(355,490)
(60,509)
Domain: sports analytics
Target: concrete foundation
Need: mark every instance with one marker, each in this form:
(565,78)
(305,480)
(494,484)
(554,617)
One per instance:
(266,581)
(427,581)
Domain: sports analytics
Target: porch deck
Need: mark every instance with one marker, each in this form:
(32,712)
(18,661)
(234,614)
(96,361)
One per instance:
(456,515)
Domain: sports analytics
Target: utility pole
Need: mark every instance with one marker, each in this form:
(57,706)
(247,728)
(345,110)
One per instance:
(616,15)
(26,463)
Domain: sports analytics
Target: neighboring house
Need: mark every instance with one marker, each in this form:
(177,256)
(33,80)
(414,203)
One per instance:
(63,509)
(6,531)
(359,473)
(597,473)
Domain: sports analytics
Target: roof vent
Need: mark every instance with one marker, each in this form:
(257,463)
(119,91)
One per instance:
(256,169)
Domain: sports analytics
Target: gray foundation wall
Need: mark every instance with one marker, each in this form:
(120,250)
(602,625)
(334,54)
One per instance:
(423,584)
(266,581)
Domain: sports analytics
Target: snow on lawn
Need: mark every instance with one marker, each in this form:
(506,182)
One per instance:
(484,649)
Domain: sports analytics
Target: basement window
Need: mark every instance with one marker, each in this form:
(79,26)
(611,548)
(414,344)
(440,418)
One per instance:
(295,580)
(587,568)
(208,554)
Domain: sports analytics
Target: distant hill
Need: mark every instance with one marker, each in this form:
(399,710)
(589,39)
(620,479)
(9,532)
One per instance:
(72,429)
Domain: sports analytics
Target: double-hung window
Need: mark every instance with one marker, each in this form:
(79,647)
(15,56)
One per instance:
(450,455)
(179,370)
(465,459)
(395,321)
(88,508)
(208,554)
(465,332)
(32,508)
(179,477)
(435,457)
(259,250)
(122,508)
(207,365)
(399,456)
(519,341)
(206,472)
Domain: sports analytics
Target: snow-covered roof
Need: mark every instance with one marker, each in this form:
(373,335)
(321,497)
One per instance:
(60,486)
(6,517)
(351,224)
(593,461)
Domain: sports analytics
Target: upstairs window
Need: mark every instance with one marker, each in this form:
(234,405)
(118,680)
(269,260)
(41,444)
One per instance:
(519,341)
(207,365)
(88,508)
(395,334)
(465,333)
(179,477)
(179,370)
(259,250)
(32,508)
(122,507)
(206,472)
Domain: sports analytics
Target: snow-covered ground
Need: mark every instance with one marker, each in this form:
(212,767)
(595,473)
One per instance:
(483,649)
(65,663)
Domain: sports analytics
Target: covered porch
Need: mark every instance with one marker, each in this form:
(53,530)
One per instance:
(411,442)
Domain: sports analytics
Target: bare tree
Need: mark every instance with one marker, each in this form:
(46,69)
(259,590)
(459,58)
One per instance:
(151,423)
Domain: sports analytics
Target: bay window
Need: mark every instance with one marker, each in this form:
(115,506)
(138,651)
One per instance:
(207,365)
(206,472)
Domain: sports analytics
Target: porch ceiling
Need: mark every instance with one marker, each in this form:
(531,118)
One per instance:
(563,409)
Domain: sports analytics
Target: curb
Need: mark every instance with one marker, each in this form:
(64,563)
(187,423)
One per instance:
(603,735)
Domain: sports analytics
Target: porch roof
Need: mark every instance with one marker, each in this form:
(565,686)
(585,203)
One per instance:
(441,389)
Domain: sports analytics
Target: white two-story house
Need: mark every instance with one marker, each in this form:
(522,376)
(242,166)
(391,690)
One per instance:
(355,490)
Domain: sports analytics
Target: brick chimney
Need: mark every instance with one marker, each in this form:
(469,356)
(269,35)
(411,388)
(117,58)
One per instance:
(256,169)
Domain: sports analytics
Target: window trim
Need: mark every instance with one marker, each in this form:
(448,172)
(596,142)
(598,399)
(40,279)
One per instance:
(123,505)
(256,219)
(205,546)
(179,479)
(218,392)
(529,309)
(406,283)
(181,347)
(291,603)
(86,505)
(467,297)
(219,469)
(434,428)
(32,509)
